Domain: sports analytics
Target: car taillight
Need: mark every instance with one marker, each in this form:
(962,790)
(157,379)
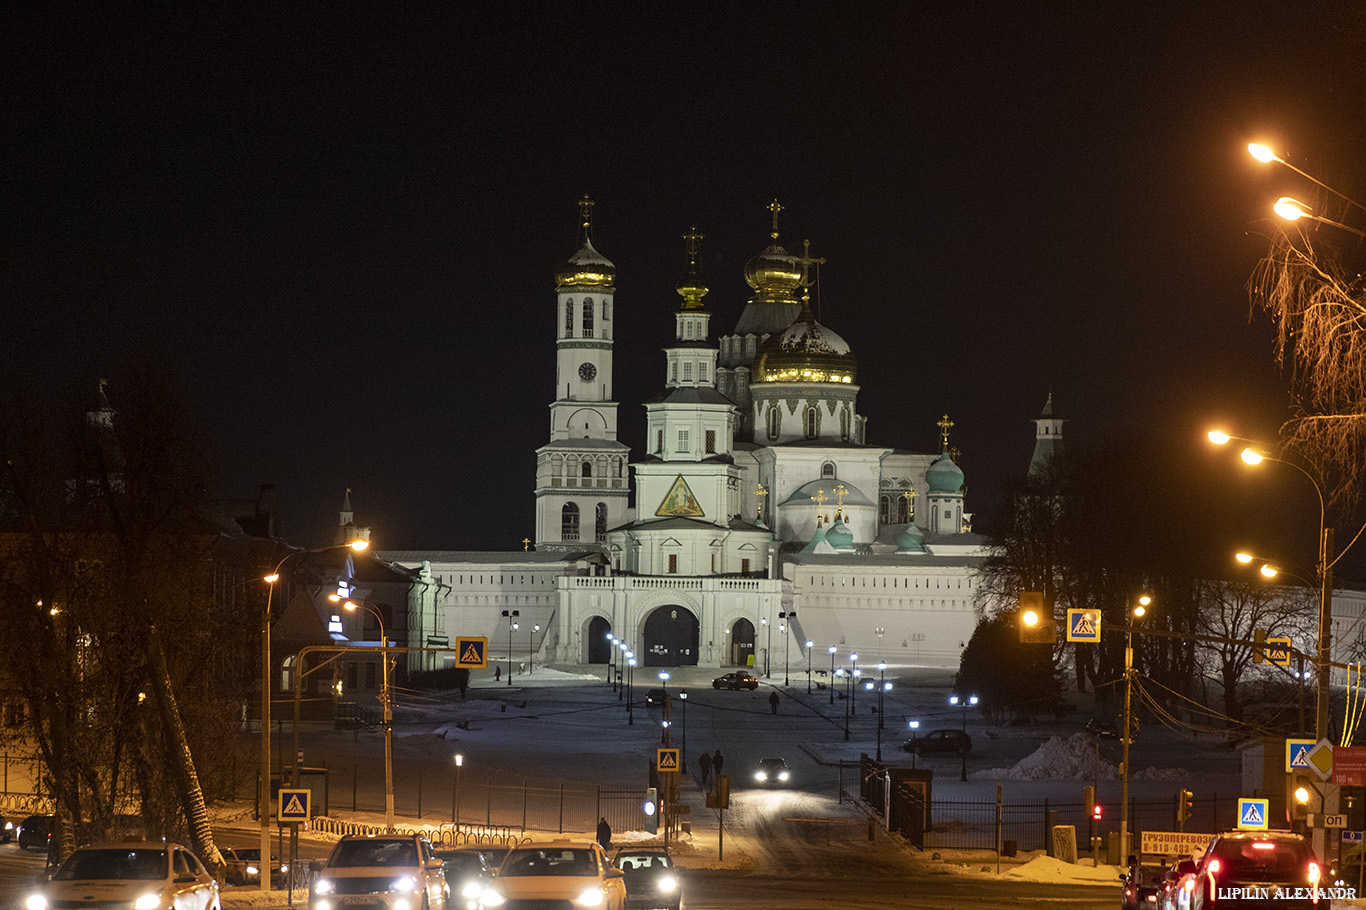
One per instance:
(1314,873)
(1213,866)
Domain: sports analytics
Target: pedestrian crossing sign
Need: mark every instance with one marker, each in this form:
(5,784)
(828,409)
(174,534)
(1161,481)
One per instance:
(471,653)
(1277,651)
(294,806)
(666,759)
(1253,813)
(1083,625)
(1297,754)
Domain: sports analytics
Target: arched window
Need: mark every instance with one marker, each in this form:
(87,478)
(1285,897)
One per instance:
(884,509)
(774,420)
(588,319)
(569,319)
(569,522)
(600,523)
(827,470)
(587,468)
(810,423)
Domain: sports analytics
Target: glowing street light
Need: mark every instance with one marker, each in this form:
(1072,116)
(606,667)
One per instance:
(386,702)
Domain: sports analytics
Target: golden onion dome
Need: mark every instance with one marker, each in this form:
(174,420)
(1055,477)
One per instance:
(806,351)
(774,274)
(586,268)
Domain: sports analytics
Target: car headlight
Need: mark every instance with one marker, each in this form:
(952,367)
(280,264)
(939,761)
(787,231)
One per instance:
(35,902)
(405,884)
(323,886)
(761,775)
(472,889)
(9,826)
(491,898)
(593,897)
(783,775)
(148,902)
(284,868)
(667,883)
(252,870)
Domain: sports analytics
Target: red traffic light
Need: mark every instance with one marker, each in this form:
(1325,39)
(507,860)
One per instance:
(1096,812)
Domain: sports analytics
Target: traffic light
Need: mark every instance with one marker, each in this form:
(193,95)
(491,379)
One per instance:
(1090,792)
(1036,622)
(1096,812)
(1259,646)
(651,808)
(1185,805)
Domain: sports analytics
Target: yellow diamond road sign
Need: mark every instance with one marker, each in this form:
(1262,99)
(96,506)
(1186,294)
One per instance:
(471,653)
(1321,759)
(667,759)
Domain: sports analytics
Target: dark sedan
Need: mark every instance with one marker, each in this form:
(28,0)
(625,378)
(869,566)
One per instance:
(651,879)
(938,742)
(737,680)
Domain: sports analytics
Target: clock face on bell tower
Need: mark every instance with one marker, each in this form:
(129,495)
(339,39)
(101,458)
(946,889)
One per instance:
(587,372)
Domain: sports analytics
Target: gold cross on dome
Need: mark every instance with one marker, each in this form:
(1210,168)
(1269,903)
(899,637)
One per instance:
(775,208)
(909,496)
(526,543)
(806,261)
(841,491)
(759,495)
(820,499)
(945,425)
(586,213)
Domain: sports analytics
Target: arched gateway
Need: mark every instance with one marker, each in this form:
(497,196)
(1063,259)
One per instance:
(599,649)
(741,643)
(671,637)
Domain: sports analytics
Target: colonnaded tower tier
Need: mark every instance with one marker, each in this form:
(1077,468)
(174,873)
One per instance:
(581,482)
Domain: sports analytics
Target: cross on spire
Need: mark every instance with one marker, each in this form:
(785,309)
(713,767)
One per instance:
(820,499)
(775,208)
(945,425)
(909,496)
(586,214)
(806,261)
(840,491)
(759,495)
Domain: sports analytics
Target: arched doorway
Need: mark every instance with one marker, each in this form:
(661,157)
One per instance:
(671,638)
(599,648)
(742,643)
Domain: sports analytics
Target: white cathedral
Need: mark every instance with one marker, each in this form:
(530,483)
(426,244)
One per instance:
(765,526)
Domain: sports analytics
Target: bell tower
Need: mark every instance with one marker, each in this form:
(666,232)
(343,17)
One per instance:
(581,476)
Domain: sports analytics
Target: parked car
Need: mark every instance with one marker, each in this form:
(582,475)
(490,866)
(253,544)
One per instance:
(772,772)
(387,872)
(467,871)
(1102,729)
(34,831)
(134,874)
(737,680)
(656,697)
(1255,859)
(244,867)
(651,879)
(557,873)
(956,742)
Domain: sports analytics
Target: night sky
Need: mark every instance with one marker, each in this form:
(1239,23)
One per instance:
(338,224)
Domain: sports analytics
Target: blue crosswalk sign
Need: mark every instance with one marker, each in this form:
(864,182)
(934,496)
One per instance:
(1253,813)
(1297,754)
(294,806)
(1083,625)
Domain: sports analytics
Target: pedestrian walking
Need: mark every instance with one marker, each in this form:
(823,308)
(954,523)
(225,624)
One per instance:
(498,673)
(717,760)
(604,834)
(704,762)
(773,701)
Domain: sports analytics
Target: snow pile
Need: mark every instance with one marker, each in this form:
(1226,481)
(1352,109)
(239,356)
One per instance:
(1051,869)
(1061,758)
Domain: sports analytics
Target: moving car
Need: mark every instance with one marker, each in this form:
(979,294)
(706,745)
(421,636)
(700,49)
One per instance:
(387,872)
(34,831)
(956,742)
(557,874)
(1273,860)
(1174,895)
(737,680)
(244,866)
(651,879)
(1142,887)
(468,871)
(1102,729)
(656,697)
(772,772)
(137,874)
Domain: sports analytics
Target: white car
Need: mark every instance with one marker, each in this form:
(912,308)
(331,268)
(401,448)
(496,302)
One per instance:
(557,873)
(386,872)
(135,874)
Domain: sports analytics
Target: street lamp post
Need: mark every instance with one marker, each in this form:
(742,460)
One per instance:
(621,662)
(630,678)
(914,725)
(531,647)
(853,662)
(1135,613)
(387,703)
(512,626)
(790,614)
(963,704)
(357,545)
(768,649)
(882,687)
(683,753)
(846,677)
(809,645)
(832,674)
(455,794)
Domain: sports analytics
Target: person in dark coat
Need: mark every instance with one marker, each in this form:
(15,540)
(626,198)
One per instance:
(604,834)
(704,762)
(773,701)
(716,762)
